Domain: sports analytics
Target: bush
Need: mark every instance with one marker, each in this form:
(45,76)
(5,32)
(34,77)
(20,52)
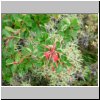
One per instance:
(46,45)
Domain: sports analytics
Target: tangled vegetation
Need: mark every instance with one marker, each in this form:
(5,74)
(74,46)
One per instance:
(50,49)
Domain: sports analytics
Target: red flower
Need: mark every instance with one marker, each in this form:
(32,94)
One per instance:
(53,48)
(47,54)
(55,57)
(51,53)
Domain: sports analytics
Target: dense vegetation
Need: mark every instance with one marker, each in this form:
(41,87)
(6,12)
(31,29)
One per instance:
(50,49)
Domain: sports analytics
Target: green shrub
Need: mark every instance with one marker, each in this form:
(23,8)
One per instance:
(28,43)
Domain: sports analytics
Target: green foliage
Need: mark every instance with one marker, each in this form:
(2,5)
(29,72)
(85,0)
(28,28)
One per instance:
(27,37)
(68,28)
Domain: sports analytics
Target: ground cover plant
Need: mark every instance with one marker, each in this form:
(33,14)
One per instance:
(50,49)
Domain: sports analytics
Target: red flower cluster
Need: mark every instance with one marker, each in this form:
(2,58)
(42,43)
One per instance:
(47,54)
(51,53)
(55,57)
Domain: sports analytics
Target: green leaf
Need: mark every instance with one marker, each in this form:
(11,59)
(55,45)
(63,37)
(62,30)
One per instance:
(61,33)
(63,58)
(59,50)
(40,48)
(64,24)
(36,29)
(68,35)
(13,68)
(74,34)
(54,64)
(40,54)
(48,41)
(74,24)
(9,61)
(7,75)
(9,29)
(44,19)
(74,21)
(11,44)
(42,37)
(59,69)
(17,57)
(8,78)
(21,73)
(5,33)
(28,21)
(45,35)
(25,51)
(68,63)
(3,63)
(17,23)
(31,46)
(38,64)
(29,49)
(58,44)
(29,65)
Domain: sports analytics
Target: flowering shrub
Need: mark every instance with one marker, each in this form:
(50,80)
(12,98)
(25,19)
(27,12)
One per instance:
(70,63)
(45,44)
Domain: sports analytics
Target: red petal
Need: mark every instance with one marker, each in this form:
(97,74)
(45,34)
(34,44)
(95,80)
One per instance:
(55,57)
(47,55)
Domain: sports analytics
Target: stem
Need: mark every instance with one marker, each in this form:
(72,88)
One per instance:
(20,60)
(11,37)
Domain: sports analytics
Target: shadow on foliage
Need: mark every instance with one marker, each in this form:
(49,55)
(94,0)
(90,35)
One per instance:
(36,79)
(29,79)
